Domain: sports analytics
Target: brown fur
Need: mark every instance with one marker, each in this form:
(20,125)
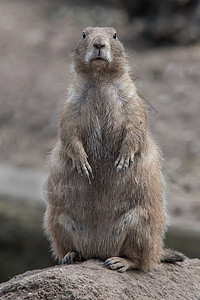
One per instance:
(101,205)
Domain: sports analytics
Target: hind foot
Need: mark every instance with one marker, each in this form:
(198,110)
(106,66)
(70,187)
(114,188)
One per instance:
(71,257)
(120,264)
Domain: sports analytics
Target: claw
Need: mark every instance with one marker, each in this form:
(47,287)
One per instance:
(63,261)
(83,168)
(122,163)
(131,161)
(116,163)
(88,177)
(69,258)
(89,169)
(119,264)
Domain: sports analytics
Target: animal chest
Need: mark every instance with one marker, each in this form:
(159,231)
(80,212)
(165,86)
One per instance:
(102,134)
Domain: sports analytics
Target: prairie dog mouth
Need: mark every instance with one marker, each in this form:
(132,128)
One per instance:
(100,58)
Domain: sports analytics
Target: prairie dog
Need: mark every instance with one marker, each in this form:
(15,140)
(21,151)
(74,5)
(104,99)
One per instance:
(105,189)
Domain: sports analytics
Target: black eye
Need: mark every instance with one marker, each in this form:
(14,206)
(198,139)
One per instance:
(115,36)
(84,35)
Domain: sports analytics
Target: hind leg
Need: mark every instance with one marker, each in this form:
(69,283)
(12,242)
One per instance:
(142,247)
(144,254)
(61,242)
(140,254)
(56,220)
(144,243)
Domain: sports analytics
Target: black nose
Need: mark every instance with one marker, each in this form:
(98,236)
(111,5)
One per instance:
(98,46)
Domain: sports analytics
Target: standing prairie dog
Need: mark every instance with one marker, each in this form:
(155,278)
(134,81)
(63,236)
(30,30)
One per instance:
(105,190)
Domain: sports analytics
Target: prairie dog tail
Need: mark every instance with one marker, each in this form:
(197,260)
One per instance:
(171,256)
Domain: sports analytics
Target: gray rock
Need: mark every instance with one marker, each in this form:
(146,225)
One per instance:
(90,280)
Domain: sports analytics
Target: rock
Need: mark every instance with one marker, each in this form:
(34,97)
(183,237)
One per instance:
(90,280)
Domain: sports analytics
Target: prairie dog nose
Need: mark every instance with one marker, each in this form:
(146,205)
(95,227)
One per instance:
(99,45)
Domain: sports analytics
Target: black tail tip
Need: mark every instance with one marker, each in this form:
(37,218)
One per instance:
(172,256)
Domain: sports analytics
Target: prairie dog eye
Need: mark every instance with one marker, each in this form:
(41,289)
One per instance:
(84,35)
(115,36)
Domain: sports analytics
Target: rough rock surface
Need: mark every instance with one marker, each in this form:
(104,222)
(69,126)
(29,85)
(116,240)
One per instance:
(90,280)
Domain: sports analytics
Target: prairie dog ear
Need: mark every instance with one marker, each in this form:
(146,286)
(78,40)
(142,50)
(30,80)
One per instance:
(115,36)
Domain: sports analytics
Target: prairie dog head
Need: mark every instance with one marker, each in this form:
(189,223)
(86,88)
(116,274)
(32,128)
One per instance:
(99,50)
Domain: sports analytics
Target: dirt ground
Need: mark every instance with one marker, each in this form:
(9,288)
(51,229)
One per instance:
(90,280)
(37,39)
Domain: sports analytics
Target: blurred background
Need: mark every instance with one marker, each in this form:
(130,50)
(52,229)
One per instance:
(162,39)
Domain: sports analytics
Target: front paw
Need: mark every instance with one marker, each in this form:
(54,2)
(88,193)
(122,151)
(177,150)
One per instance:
(124,161)
(83,168)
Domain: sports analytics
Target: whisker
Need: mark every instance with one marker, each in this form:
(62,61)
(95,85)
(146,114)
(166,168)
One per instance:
(61,61)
